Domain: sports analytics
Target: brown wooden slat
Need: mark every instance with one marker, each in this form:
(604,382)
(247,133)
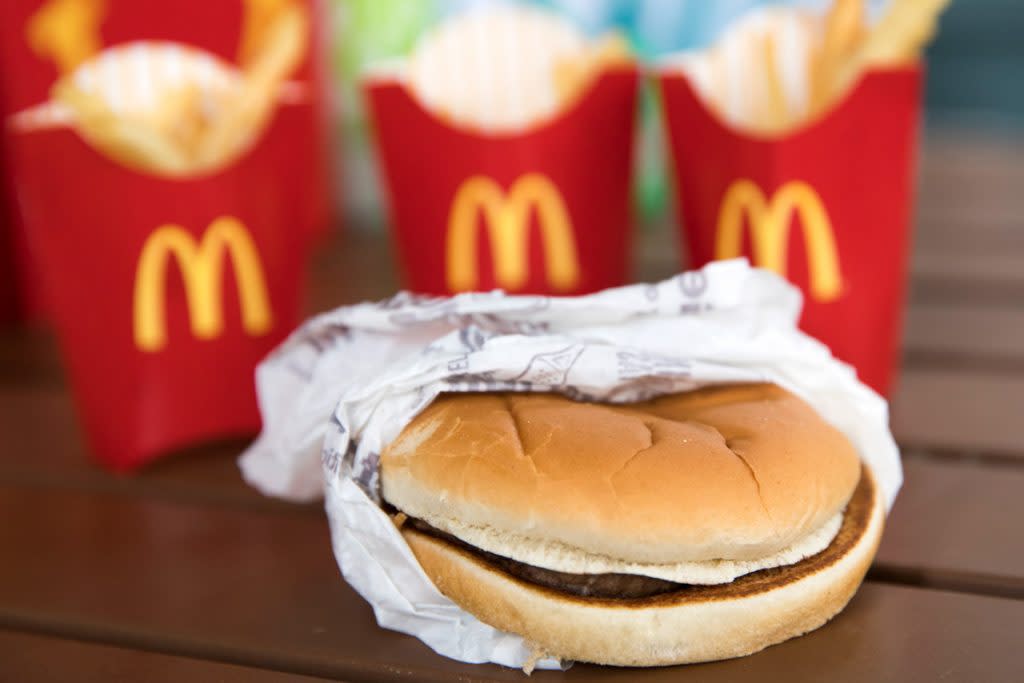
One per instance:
(950,410)
(953,526)
(983,220)
(967,269)
(959,250)
(355,266)
(29,355)
(969,210)
(43,447)
(216,583)
(993,159)
(964,331)
(262,589)
(29,658)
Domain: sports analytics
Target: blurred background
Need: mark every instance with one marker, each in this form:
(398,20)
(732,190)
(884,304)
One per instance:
(964,270)
(974,71)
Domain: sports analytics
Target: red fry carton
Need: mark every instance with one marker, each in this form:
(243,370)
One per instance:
(170,187)
(541,209)
(828,206)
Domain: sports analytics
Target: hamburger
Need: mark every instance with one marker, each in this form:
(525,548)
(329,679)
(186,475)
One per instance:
(692,527)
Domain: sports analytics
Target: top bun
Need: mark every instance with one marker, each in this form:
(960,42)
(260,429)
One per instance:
(733,472)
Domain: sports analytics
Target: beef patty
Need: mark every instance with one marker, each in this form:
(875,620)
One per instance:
(856,518)
(625,586)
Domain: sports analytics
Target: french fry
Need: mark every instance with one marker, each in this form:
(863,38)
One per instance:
(258,21)
(246,113)
(843,33)
(65,31)
(898,38)
(718,95)
(844,26)
(131,141)
(902,33)
(182,114)
(776,115)
(574,75)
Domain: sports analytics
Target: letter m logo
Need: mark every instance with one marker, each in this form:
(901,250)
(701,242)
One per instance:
(769,228)
(507,218)
(201,264)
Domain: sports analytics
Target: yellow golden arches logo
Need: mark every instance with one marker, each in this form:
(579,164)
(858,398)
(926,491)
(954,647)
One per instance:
(201,265)
(769,226)
(507,217)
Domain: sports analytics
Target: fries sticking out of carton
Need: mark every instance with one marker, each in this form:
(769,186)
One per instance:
(506,141)
(508,67)
(172,192)
(174,110)
(897,39)
(781,67)
(842,33)
(793,138)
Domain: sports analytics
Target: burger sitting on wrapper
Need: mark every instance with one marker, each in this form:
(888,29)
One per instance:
(693,527)
(651,475)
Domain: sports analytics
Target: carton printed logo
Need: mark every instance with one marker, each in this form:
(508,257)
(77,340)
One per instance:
(769,228)
(507,218)
(201,265)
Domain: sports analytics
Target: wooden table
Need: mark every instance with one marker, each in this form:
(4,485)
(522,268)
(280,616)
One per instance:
(183,573)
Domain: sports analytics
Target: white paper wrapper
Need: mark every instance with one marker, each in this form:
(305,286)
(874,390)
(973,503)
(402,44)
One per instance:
(347,382)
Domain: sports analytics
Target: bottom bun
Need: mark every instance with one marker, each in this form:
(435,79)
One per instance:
(692,624)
